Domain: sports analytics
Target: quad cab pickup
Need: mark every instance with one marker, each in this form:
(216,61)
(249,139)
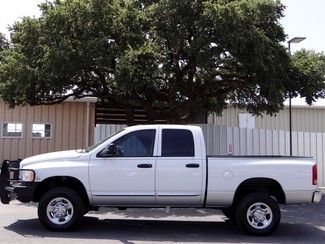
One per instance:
(159,166)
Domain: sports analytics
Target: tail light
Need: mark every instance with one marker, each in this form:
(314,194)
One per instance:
(315,174)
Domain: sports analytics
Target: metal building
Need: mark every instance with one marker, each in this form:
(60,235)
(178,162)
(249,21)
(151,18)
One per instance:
(304,118)
(27,130)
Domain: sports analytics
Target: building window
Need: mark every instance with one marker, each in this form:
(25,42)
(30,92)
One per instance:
(41,130)
(12,130)
(246,120)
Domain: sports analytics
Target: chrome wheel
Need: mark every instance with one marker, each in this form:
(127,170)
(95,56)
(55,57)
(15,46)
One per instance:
(59,211)
(259,215)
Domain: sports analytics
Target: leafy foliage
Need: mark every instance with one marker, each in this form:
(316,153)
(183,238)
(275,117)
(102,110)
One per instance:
(178,59)
(3,44)
(310,73)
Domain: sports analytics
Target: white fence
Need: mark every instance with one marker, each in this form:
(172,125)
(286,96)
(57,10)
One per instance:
(222,140)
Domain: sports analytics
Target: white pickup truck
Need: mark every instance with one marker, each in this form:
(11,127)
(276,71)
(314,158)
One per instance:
(159,166)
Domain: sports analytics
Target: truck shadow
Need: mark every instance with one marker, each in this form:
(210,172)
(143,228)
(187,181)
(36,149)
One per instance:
(128,231)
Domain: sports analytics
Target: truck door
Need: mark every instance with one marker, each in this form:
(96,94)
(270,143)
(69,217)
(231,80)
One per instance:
(179,171)
(127,178)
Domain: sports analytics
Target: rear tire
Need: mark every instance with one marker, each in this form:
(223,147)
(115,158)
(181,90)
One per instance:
(60,209)
(258,214)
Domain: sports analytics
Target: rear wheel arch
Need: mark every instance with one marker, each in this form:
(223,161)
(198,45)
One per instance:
(61,181)
(268,186)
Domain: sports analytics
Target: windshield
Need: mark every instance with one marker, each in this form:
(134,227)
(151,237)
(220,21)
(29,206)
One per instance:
(88,149)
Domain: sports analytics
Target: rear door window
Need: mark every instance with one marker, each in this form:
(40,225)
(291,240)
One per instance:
(177,143)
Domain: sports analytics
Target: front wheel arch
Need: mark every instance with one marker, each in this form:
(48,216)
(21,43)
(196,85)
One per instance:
(61,181)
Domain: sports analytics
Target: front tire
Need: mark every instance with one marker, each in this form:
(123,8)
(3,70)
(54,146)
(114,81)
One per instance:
(60,209)
(258,214)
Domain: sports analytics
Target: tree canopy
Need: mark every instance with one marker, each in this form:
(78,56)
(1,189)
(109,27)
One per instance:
(178,59)
(310,67)
(3,44)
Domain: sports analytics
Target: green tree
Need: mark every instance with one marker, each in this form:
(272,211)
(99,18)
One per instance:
(310,74)
(178,59)
(3,44)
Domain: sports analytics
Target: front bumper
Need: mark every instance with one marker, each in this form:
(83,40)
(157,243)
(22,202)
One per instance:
(317,196)
(10,187)
(21,191)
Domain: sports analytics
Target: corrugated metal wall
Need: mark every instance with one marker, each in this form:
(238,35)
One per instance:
(102,132)
(222,140)
(303,119)
(69,126)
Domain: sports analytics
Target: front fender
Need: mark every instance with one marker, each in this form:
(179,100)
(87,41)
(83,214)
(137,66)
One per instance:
(74,169)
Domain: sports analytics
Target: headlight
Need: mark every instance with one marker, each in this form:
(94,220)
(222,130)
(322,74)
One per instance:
(26,175)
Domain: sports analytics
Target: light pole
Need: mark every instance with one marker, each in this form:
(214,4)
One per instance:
(292,40)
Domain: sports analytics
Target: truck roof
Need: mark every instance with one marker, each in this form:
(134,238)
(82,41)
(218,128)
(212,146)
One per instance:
(167,126)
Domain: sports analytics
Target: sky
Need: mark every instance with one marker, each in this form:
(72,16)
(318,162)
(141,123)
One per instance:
(303,18)
(13,10)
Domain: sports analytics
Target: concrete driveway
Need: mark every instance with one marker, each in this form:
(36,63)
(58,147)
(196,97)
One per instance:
(300,224)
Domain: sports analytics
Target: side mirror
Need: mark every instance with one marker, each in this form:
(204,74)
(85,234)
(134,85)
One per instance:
(109,151)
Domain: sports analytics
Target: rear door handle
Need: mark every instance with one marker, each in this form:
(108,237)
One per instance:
(192,165)
(146,166)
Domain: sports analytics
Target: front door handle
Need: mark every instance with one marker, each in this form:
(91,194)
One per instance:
(146,166)
(192,165)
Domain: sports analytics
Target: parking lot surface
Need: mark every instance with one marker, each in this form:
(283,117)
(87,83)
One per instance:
(300,224)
